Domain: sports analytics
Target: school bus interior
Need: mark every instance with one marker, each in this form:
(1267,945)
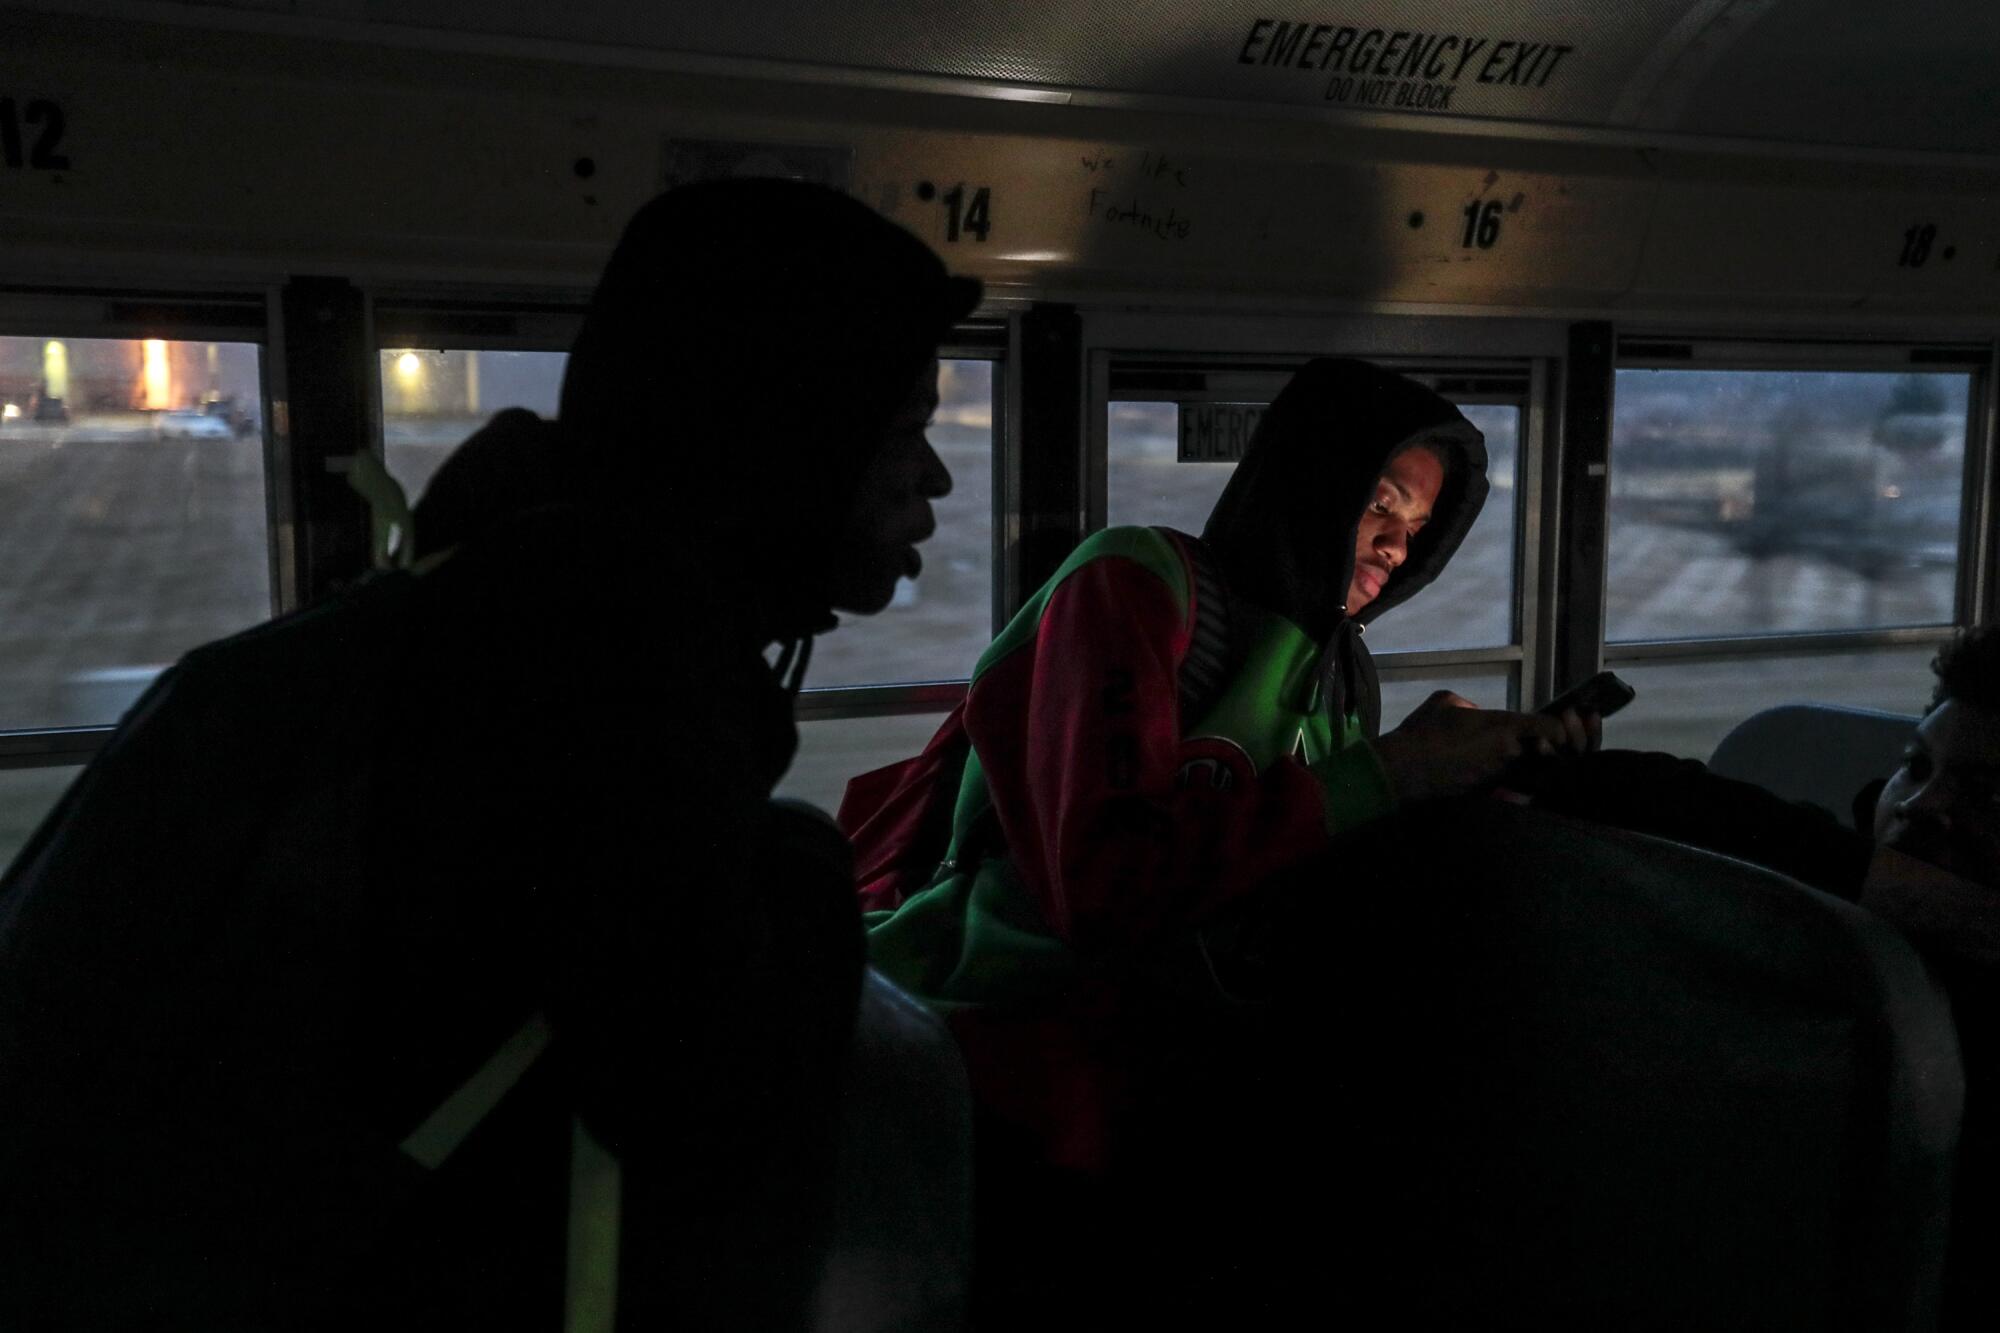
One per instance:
(1718,280)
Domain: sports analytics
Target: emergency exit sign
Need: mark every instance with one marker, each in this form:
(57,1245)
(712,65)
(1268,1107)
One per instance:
(1217,432)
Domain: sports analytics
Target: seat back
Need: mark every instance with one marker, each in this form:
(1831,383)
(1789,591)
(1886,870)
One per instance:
(1819,753)
(901,1254)
(1599,1080)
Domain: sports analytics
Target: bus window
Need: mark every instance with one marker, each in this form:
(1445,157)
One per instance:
(1687,708)
(834,749)
(1472,603)
(1146,483)
(432,400)
(135,525)
(1459,634)
(1779,536)
(1757,502)
(1401,693)
(1471,606)
(26,794)
(936,626)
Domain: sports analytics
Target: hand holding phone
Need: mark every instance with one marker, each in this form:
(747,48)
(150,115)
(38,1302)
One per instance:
(1449,746)
(1603,694)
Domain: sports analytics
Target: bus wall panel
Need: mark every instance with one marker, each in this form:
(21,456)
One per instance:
(1834,239)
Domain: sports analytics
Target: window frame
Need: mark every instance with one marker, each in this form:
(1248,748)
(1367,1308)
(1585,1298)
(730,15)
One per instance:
(1973,586)
(455,320)
(1522,353)
(461,321)
(538,322)
(402,319)
(976,339)
(235,313)
(545,321)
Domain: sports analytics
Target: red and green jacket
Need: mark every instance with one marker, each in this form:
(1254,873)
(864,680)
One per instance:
(1118,821)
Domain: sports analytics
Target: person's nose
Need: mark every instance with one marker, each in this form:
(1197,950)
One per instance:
(933,477)
(1929,803)
(1392,544)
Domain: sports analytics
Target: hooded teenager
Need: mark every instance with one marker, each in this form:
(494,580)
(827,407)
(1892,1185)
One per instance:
(263,964)
(1094,822)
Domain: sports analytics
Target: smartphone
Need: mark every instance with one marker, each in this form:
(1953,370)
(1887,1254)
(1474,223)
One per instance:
(1603,694)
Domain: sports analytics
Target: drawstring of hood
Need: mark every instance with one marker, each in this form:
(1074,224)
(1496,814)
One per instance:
(790,669)
(1348,685)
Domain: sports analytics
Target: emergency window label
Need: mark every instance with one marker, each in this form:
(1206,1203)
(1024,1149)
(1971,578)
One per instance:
(1217,432)
(1397,69)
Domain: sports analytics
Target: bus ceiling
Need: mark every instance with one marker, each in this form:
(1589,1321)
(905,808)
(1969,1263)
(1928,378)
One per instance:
(1727,155)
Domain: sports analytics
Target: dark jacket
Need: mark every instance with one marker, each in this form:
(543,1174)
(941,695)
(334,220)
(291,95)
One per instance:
(322,871)
(326,867)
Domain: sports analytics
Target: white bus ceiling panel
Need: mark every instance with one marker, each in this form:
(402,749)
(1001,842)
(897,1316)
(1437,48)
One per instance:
(1499,58)
(1918,74)
(1911,76)
(531,172)
(271,153)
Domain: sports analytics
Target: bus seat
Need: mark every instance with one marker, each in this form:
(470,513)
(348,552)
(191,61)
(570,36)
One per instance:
(1601,1080)
(1818,753)
(901,1255)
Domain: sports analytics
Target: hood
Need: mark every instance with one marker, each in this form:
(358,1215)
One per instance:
(1284,529)
(513,464)
(747,344)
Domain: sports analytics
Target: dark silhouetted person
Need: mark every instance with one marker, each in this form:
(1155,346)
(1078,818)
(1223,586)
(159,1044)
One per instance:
(1936,876)
(335,878)
(1931,868)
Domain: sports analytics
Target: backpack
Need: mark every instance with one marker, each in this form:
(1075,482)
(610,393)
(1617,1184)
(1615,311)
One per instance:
(131,924)
(900,817)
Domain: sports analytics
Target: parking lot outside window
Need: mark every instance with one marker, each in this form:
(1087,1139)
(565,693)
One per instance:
(1762,502)
(432,399)
(933,630)
(1746,504)
(936,627)
(134,524)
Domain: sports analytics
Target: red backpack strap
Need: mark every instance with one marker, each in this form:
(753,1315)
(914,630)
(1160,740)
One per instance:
(899,817)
